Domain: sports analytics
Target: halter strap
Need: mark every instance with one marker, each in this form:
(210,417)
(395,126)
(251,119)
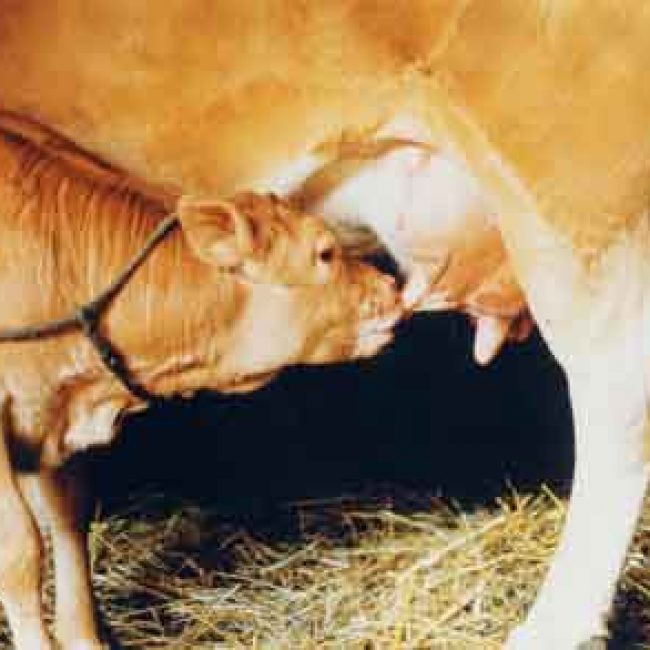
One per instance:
(87,319)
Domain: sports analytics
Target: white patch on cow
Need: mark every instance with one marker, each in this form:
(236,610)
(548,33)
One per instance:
(289,178)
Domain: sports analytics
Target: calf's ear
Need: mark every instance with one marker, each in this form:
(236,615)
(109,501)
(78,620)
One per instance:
(216,231)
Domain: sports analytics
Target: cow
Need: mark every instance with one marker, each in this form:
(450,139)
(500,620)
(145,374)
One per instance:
(232,292)
(545,102)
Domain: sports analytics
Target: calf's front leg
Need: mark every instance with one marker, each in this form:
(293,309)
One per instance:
(20,557)
(60,498)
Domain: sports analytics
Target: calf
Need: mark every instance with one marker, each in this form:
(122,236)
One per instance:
(237,291)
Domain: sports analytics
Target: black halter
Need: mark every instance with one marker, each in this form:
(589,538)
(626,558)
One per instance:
(87,318)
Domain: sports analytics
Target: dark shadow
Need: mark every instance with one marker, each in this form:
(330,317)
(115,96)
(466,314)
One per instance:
(421,418)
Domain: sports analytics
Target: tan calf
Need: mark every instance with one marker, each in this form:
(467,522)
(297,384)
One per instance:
(238,291)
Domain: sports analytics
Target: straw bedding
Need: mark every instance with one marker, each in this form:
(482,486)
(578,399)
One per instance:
(355,576)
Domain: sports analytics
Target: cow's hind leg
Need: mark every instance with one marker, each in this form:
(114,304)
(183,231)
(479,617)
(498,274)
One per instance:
(20,557)
(610,480)
(596,318)
(59,498)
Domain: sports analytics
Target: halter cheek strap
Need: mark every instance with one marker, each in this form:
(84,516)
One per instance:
(88,317)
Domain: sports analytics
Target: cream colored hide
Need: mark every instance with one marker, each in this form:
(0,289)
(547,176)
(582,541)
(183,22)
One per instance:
(546,101)
(239,290)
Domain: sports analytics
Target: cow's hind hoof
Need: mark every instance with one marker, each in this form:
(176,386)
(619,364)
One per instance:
(532,638)
(595,643)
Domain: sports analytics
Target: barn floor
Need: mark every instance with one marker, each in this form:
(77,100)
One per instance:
(352,575)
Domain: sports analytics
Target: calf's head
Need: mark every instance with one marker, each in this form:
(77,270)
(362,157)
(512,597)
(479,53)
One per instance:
(302,302)
(262,239)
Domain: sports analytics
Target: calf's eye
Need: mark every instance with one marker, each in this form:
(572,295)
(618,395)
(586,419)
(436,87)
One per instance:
(327,254)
